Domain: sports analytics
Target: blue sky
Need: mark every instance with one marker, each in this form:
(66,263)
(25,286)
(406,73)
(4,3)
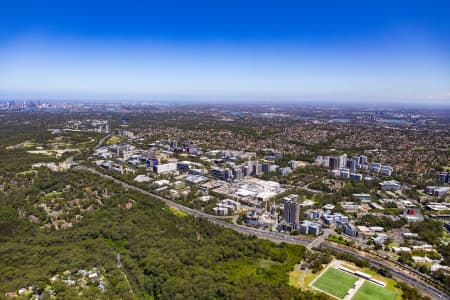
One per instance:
(375,51)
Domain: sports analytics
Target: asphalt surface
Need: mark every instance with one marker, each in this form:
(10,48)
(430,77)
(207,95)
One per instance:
(277,237)
(102,140)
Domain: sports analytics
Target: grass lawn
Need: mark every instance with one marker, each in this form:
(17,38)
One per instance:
(309,277)
(390,283)
(177,212)
(25,173)
(294,278)
(112,140)
(335,282)
(370,291)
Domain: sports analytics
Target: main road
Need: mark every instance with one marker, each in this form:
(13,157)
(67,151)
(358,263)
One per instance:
(413,279)
(102,140)
(273,236)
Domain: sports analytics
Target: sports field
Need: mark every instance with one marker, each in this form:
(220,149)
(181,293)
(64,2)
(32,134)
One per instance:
(370,291)
(335,282)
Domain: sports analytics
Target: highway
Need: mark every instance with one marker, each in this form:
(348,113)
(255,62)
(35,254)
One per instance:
(102,140)
(274,236)
(413,278)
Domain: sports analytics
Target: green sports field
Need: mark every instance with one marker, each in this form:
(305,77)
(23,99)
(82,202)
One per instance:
(335,282)
(370,291)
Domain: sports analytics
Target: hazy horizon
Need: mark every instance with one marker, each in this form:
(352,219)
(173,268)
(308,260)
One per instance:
(239,52)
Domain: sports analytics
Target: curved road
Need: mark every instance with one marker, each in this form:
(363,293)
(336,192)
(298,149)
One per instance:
(280,237)
(102,140)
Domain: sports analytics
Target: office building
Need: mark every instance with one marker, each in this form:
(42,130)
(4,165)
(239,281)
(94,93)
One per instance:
(363,160)
(220,210)
(292,164)
(164,168)
(344,173)
(334,219)
(350,229)
(323,161)
(238,174)
(356,177)
(246,170)
(375,167)
(304,227)
(277,154)
(315,229)
(285,171)
(307,227)
(227,174)
(257,169)
(269,168)
(273,168)
(386,170)
(183,166)
(437,191)
(192,150)
(391,185)
(217,172)
(444,177)
(352,165)
(342,160)
(236,206)
(362,197)
(334,162)
(291,213)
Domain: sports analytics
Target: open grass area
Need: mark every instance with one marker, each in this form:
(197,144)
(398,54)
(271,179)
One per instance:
(370,291)
(265,263)
(390,283)
(300,280)
(177,212)
(309,277)
(112,140)
(294,278)
(26,173)
(335,282)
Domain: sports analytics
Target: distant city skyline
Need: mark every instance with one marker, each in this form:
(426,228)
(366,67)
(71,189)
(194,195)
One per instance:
(238,51)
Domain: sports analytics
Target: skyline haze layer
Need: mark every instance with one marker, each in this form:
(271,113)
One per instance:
(239,52)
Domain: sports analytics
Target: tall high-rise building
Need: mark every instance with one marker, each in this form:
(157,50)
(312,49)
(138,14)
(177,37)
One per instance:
(237,173)
(227,174)
(257,169)
(342,160)
(363,160)
(356,160)
(334,163)
(246,170)
(291,213)
(352,164)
